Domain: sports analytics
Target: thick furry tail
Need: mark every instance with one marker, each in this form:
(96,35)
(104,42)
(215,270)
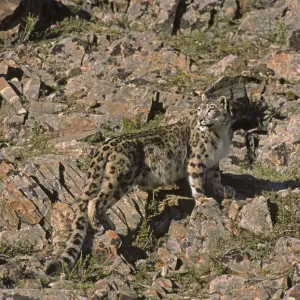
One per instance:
(68,257)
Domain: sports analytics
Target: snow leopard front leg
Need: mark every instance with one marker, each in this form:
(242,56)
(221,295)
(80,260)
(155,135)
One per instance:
(196,177)
(213,184)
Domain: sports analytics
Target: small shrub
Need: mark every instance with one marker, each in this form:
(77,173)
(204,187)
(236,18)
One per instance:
(21,247)
(29,27)
(86,272)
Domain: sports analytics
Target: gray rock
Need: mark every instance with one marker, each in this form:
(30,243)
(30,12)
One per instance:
(33,237)
(45,108)
(255,216)
(241,262)
(229,285)
(293,40)
(284,256)
(31,88)
(207,227)
(293,293)
(166,14)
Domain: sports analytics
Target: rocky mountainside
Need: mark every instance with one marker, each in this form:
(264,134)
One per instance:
(73,73)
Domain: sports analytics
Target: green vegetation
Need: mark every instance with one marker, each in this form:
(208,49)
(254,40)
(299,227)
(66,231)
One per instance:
(37,144)
(290,96)
(39,141)
(284,213)
(66,27)
(29,27)
(84,162)
(180,79)
(139,123)
(87,272)
(145,238)
(270,172)
(18,247)
(217,45)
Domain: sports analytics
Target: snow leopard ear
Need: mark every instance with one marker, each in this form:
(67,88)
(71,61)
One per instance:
(225,103)
(204,97)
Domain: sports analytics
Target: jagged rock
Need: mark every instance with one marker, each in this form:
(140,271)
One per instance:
(70,49)
(159,290)
(31,236)
(23,207)
(229,285)
(107,245)
(177,230)
(173,245)
(166,284)
(196,15)
(167,13)
(11,98)
(31,88)
(41,108)
(255,216)
(241,153)
(230,62)
(281,146)
(128,213)
(241,262)
(127,293)
(207,227)
(293,293)
(274,22)
(293,40)
(167,259)
(230,9)
(102,288)
(7,8)
(30,284)
(138,10)
(284,256)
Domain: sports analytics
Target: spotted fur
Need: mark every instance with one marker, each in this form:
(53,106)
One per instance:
(191,148)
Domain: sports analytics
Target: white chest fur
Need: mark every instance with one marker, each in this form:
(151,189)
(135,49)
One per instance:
(222,146)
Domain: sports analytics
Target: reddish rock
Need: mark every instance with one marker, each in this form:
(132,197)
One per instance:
(166,284)
(9,218)
(7,8)
(22,206)
(285,65)
(107,244)
(9,95)
(102,287)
